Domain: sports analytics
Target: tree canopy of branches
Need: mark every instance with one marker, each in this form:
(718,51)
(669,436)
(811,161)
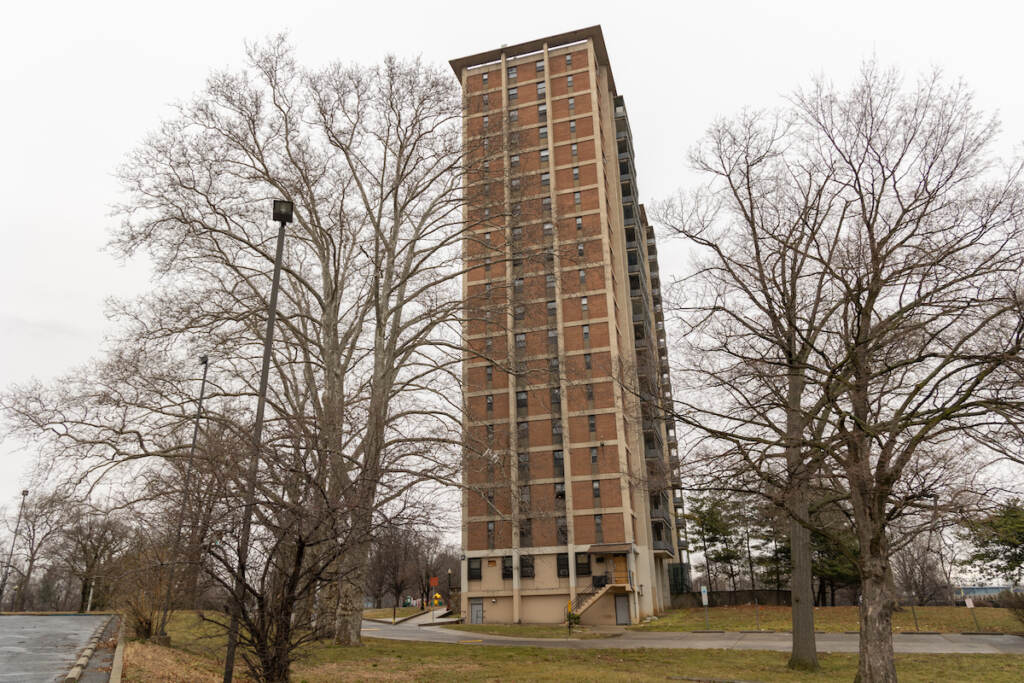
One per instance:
(854,319)
(366,353)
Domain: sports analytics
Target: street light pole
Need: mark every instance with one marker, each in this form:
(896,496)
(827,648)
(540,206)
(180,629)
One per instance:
(283,215)
(186,485)
(10,555)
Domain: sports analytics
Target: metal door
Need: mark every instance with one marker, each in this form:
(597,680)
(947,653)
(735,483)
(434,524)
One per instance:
(622,609)
(476,611)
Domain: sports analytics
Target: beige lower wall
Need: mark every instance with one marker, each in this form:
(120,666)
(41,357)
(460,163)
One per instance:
(544,609)
(498,610)
(601,612)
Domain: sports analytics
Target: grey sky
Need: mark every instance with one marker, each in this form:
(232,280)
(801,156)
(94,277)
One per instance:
(83,82)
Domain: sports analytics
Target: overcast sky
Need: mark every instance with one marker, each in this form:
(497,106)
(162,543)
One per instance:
(83,82)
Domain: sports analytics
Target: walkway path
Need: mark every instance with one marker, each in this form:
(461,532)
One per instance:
(947,643)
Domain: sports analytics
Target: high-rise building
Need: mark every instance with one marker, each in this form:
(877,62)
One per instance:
(569,461)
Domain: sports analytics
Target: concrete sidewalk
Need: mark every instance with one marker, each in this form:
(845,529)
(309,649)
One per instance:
(949,643)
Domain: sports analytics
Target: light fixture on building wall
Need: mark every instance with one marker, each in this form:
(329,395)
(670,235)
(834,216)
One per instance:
(641,590)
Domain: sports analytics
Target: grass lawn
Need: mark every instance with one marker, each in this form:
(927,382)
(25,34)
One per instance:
(836,619)
(527,630)
(198,648)
(386,612)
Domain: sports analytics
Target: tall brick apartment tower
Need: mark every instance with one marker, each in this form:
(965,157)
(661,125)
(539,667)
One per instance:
(569,462)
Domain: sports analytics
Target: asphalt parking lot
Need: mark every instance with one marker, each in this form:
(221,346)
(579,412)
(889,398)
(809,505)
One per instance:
(42,648)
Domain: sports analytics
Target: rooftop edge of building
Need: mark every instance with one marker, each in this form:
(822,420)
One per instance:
(559,39)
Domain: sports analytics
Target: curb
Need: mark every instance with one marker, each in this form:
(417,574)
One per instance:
(83,659)
(118,665)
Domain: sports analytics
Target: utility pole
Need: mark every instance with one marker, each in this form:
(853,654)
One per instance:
(10,555)
(186,485)
(283,215)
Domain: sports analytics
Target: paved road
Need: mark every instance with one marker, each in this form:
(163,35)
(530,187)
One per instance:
(827,642)
(42,648)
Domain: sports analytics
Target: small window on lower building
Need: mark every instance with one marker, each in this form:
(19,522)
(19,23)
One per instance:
(526,566)
(475,572)
(562,562)
(582,564)
(506,567)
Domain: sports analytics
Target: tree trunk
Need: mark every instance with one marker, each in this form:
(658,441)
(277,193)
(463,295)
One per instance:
(876,664)
(348,618)
(805,654)
(19,603)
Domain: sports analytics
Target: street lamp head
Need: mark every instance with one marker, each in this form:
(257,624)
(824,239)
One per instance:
(282,211)
(24,493)
(203,360)
(449,571)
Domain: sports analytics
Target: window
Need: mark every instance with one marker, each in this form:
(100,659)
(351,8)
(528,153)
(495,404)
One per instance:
(490,403)
(523,461)
(506,567)
(521,400)
(592,423)
(560,492)
(552,309)
(475,563)
(598,529)
(539,66)
(590,392)
(517,232)
(577,198)
(512,72)
(516,182)
(542,113)
(556,398)
(520,340)
(579,222)
(487,265)
(489,373)
(487,237)
(489,344)
(593,455)
(524,497)
(542,132)
(568,82)
(556,433)
(517,209)
(562,561)
(490,433)
(513,94)
(487,212)
(568,60)
(582,564)
(544,156)
(513,160)
(523,432)
(572,104)
(558,460)
(580,249)
(575,172)
(587,361)
(517,284)
(525,564)
(549,227)
(487,120)
(572,126)
(545,204)
(486,100)
(541,89)
(586,335)
(584,304)
(583,278)
(597,491)
(513,116)
(485,78)
(575,149)
(520,314)
(526,537)
(562,537)
(553,364)
(487,166)
(545,179)
(553,339)
(490,535)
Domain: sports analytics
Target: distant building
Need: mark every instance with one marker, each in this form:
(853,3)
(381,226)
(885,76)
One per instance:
(570,462)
